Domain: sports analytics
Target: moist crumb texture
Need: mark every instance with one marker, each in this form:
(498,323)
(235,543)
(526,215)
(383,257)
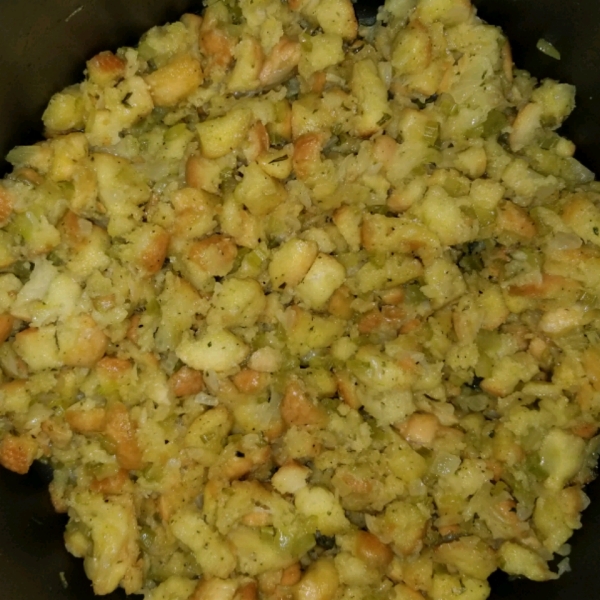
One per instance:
(299,309)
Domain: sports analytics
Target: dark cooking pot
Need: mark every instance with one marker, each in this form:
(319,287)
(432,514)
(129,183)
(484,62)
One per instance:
(43,47)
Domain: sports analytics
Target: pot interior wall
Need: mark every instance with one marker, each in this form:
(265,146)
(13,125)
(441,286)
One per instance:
(44,45)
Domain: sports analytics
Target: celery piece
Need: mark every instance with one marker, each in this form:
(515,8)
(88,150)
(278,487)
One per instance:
(545,47)
(495,122)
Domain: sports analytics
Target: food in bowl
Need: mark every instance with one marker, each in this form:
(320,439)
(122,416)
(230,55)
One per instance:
(298,308)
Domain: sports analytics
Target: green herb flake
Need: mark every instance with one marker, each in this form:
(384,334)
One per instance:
(278,159)
(384,119)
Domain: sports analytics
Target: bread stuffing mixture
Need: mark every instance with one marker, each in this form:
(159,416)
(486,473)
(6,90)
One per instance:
(302,309)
